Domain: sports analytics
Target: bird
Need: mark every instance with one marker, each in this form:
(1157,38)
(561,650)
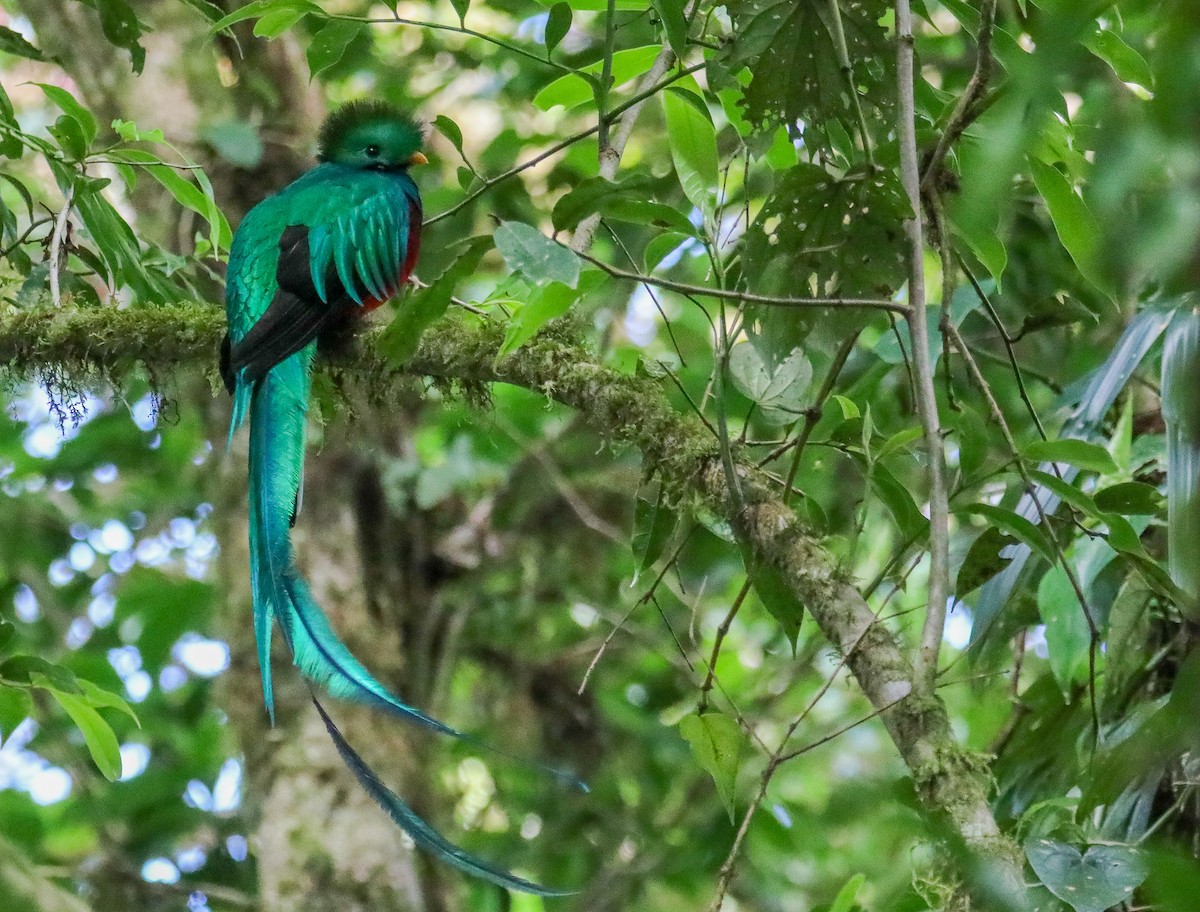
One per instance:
(305,264)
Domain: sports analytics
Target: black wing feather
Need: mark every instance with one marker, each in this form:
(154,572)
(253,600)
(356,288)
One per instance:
(296,315)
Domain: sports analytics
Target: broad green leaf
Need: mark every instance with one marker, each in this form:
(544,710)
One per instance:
(796,70)
(99,698)
(235,141)
(330,43)
(545,303)
(97,734)
(277,21)
(898,441)
(674,25)
(69,135)
(844,901)
(1093,881)
(1077,228)
(1014,524)
(27,670)
(418,310)
(461,7)
(846,243)
(778,598)
(558,23)
(198,198)
(74,110)
(717,743)
(121,27)
(782,153)
(985,242)
(573,89)
(898,500)
(1068,637)
(626,200)
(653,524)
(7,632)
(693,143)
(259,8)
(13,43)
(451,131)
(848,407)
(1090,457)
(535,256)
(1127,63)
(128,131)
(1131,498)
(16,705)
(983,561)
(1064,490)
(780,391)
(663,245)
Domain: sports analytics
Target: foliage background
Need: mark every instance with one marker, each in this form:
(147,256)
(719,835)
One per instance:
(478,542)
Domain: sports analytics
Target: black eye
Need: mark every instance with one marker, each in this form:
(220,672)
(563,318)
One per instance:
(373,151)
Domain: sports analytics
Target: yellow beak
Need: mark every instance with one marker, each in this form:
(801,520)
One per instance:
(417,159)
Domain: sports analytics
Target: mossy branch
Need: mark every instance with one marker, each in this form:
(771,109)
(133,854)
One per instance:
(111,344)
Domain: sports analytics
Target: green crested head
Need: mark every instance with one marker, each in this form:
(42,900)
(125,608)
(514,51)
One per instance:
(371,135)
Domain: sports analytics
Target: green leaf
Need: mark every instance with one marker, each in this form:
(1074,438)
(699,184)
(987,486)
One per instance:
(198,198)
(1074,223)
(674,25)
(235,141)
(418,310)
(1127,63)
(13,43)
(99,698)
(796,71)
(1016,525)
(330,43)
(844,901)
(74,110)
(849,407)
(716,742)
(101,742)
(27,670)
(899,441)
(1090,457)
(461,7)
(657,250)
(69,135)
(558,23)
(1068,636)
(1132,498)
(776,596)
(544,304)
(1066,491)
(847,242)
(985,243)
(693,143)
(121,27)
(7,632)
(278,21)
(780,391)
(983,561)
(627,200)
(899,502)
(653,524)
(128,131)
(535,256)
(574,89)
(1093,881)
(259,8)
(16,705)
(451,131)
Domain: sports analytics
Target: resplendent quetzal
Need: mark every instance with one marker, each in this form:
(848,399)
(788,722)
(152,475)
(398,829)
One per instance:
(332,245)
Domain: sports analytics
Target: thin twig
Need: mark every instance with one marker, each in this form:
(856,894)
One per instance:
(746,297)
(968,107)
(847,68)
(926,397)
(719,639)
(620,109)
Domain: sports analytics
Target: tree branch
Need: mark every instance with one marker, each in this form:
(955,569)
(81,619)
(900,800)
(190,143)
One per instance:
(110,344)
(918,324)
